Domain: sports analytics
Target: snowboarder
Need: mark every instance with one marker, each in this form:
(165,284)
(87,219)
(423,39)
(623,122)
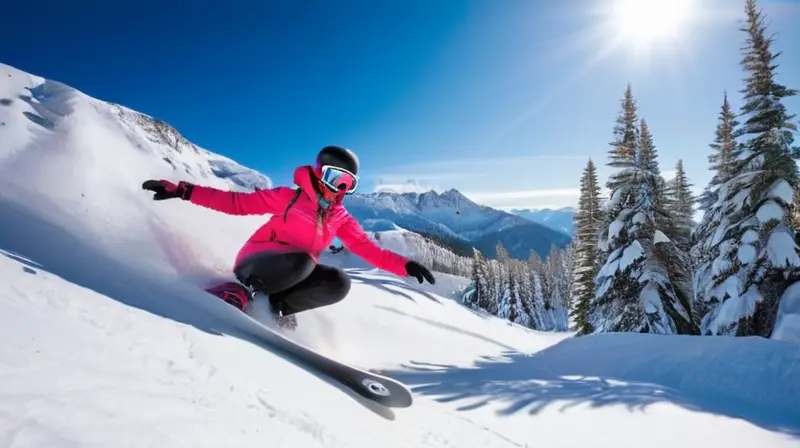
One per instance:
(281,259)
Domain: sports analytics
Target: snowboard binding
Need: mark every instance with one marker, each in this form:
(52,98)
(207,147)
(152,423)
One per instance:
(234,294)
(241,297)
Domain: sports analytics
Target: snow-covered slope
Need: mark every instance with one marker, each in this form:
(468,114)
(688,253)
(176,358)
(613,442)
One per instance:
(108,341)
(37,112)
(557,219)
(453,215)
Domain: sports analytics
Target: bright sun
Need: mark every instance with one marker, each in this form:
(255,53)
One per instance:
(647,22)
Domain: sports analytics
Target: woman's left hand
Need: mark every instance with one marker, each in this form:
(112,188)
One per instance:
(420,272)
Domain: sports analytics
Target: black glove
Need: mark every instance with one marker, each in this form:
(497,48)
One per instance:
(165,189)
(414,269)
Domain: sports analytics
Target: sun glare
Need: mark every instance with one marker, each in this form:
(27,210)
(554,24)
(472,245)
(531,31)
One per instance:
(647,22)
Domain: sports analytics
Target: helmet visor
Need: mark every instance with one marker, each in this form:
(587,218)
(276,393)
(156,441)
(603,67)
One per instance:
(338,179)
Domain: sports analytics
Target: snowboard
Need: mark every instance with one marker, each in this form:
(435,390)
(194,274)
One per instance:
(369,384)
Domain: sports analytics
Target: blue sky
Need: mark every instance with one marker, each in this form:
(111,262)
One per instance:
(504,100)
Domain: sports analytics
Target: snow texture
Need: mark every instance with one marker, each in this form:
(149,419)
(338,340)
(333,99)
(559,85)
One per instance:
(787,324)
(108,341)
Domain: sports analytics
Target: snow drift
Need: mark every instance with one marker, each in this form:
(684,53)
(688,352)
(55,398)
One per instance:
(109,341)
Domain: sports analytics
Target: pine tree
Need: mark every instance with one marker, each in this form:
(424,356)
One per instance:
(484,293)
(756,258)
(723,159)
(559,294)
(623,152)
(588,219)
(478,286)
(537,293)
(498,281)
(666,249)
(648,156)
(526,294)
(723,162)
(565,265)
(633,290)
(651,184)
(680,208)
(511,307)
(678,223)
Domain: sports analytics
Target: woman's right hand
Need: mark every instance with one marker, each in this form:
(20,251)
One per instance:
(165,189)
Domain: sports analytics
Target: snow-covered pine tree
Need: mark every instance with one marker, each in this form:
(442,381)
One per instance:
(724,157)
(757,257)
(511,305)
(633,290)
(566,263)
(477,287)
(537,291)
(621,156)
(513,289)
(723,163)
(559,292)
(526,293)
(678,223)
(588,220)
(498,269)
(665,250)
(489,300)
(623,153)
(680,208)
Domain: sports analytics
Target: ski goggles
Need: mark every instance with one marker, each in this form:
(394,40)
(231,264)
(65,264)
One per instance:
(338,179)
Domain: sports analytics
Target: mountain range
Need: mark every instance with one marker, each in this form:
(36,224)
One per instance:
(44,111)
(457,221)
(560,219)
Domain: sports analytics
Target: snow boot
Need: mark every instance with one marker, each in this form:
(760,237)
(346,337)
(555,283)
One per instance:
(286,322)
(233,293)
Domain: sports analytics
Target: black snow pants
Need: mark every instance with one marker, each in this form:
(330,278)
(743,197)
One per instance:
(293,281)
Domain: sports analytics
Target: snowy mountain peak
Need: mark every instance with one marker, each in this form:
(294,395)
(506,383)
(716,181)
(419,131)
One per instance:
(452,215)
(46,113)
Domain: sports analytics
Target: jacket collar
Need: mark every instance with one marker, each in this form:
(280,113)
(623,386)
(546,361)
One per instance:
(306,180)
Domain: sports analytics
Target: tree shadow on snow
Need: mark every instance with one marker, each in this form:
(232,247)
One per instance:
(566,377)
(39,244)
(391,286)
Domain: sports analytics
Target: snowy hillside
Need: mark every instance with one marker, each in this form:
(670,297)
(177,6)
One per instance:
(452,215)
(557,219)
(35,111)
(107,341)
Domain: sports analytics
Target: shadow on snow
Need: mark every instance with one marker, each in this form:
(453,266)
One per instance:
(392,286)
(747,378)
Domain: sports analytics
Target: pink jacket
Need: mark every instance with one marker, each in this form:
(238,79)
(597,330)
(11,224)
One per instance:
(296,227)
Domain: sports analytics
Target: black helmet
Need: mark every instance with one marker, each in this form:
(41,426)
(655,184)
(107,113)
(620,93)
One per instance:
(338,157)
